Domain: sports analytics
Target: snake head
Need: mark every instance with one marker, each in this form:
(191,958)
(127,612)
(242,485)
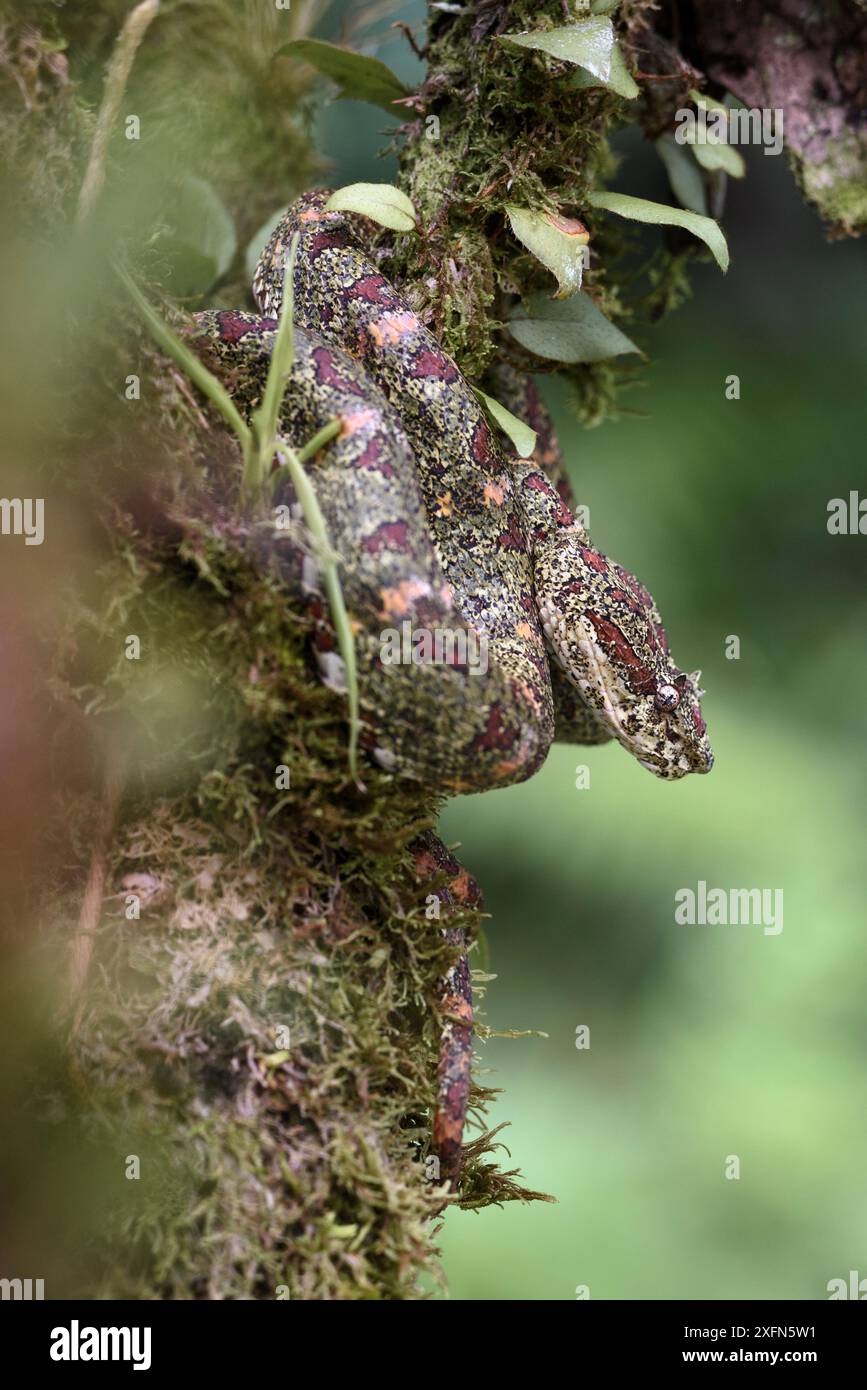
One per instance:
(605,631)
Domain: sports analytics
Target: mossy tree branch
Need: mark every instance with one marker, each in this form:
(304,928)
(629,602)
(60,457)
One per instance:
(263,1033)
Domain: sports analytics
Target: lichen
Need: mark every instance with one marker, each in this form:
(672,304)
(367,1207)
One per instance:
(271,1163)
(264,1037)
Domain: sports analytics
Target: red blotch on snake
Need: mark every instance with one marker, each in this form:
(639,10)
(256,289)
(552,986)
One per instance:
(611,638)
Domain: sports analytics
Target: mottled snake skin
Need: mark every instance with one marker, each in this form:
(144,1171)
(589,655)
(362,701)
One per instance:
(437,525)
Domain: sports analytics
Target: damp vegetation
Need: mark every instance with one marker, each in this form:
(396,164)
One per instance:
(229,1092)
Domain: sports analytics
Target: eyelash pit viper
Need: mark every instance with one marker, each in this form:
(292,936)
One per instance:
(435,522)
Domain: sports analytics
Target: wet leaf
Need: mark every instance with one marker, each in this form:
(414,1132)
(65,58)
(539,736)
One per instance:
(571,330)
(641,210)
(523,438)
(588,44)
(558,242)
(619,80)
(381,202)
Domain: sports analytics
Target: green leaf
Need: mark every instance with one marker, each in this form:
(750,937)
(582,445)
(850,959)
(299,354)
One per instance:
(201,243)
(381,202)
(259,240)
(558,242)
(713,156)
(588,44)
(360,78)
(523,438)
(684,175)
(571,330)
(266,416)
(619,80)
(702,99)
(641,210)
(714,152)
(258,457)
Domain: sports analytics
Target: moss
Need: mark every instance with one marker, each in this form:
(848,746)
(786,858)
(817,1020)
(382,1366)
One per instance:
(841,201)
(44,128)
(512,128)
(265,1035)
(272,1164)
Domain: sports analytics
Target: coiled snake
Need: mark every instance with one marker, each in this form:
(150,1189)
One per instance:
(439,526)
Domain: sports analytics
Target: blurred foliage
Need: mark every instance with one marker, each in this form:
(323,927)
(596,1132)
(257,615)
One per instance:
(706,1040)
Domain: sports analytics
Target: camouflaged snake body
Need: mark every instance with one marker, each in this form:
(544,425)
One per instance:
(436,524)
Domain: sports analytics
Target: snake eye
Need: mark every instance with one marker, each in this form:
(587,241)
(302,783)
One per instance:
(666,697)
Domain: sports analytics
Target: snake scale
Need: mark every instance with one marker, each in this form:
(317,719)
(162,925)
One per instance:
(437,524)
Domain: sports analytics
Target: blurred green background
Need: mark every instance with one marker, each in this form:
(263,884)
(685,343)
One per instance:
(706,1041)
